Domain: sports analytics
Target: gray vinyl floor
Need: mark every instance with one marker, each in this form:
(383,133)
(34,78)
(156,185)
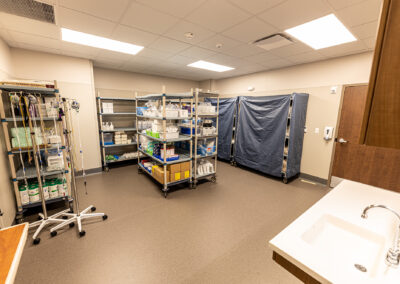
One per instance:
(217,233)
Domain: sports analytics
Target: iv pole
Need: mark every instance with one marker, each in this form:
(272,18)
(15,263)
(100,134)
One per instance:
(77,216)
(45,220)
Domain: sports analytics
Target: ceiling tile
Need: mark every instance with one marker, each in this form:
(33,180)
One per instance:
(244,50)
(155,54)
(256,6)
(344,49)
(177,8)
(361,13)
(197,52)
(250,30)
(366,30)
(294,12)
(148,19)
(306,57)
(82,50)
(217,15)
(84,23)
(277,63)
(76,54)
(110,10)
(292,49)
(178,32)
(226,60)
(35,40)
(370,42)
(226,42)
(182,60)
(169,45)
(38,48)
(132,35)
(29,26)
(339,4)
(262,57)
(112,55)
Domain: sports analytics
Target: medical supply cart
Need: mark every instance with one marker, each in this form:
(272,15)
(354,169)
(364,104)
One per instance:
(20,150)
(161,161)
(206,112)
(117,130)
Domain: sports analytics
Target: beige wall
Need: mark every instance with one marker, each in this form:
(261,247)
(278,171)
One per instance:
(128,81)
(323,107)
(7,199)
(75,80)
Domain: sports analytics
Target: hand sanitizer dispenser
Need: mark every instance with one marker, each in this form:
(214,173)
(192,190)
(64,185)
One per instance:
(328,133)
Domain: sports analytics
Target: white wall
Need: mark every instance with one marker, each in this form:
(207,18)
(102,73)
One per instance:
(75,80)
(323,108)
(7,199)
(128,81)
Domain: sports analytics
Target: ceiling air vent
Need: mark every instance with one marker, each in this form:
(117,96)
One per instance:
(273,41)
(30,9)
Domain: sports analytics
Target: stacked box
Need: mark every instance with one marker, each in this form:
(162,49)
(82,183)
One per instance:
(179,171)
(24,137)
(108,108)
(159,175)
(120,137)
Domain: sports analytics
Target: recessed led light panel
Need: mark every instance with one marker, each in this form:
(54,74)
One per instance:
(322,33)
(99,42)
(210,66)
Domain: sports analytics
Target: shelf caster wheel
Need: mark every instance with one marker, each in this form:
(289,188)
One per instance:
(165,194)
(213,179)
(93,209)
(285,180)
(232,163)
(53,234)
(65,217)
(71,225)
(106,169)
(105,217)
(192,186)
(36,241)
(139,171)
(82,233)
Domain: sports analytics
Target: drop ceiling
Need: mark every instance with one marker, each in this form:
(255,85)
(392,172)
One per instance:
(160,25)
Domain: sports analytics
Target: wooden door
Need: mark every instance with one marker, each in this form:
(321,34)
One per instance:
(381,126)
(372,165)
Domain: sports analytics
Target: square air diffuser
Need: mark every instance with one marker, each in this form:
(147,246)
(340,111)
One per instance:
(30,9)
(273,41)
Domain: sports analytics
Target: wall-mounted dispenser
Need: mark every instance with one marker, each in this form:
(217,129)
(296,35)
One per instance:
(328,133)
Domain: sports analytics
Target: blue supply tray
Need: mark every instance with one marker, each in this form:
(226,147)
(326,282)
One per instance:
(108,143)
(168,159)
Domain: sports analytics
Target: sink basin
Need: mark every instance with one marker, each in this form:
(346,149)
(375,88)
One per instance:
(339,246)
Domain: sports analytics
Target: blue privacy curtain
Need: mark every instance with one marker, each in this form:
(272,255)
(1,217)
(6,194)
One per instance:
(297,124)
(261,132)
(227,109)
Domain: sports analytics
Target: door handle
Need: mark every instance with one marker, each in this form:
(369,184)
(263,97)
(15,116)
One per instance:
(342,141)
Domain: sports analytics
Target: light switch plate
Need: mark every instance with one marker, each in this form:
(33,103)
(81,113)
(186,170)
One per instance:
(316,130)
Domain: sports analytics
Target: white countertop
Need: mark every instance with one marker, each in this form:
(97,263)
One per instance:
(328,252)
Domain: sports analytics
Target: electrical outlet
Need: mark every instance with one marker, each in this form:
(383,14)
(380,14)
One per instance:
(316,130)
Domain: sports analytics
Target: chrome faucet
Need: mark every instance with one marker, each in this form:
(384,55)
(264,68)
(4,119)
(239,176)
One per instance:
(393,255)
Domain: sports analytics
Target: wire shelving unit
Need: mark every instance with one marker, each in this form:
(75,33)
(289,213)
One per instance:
(162,99)
(200,96)
(17,174)
(124,115)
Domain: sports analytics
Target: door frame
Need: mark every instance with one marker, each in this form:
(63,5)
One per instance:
(337,127)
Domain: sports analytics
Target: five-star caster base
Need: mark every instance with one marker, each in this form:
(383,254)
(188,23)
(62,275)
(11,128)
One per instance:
(44,222)
(77,218)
